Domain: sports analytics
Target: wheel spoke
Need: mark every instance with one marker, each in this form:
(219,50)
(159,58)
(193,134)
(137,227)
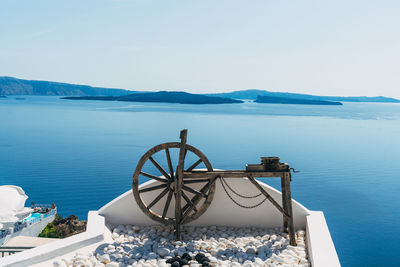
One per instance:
(194,165)
(166,175)
(148,189)
(154,177)
(158,198)
(191,190)
(167,203)
(197,198)
(194,181)
(171,169)
(187,199)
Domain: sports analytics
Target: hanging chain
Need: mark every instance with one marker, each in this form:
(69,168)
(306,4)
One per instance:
(236,193)
(223,182)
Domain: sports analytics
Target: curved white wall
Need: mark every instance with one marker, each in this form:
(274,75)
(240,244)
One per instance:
(222,211)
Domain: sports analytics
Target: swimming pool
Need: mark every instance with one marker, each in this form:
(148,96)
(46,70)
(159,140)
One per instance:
(32,217)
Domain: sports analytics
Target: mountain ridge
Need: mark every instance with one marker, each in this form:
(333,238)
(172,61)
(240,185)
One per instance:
(162,97)
(15,86)
(254,93)
(288,100)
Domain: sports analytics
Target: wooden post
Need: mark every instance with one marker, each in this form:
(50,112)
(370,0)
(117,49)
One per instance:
(288,225)
(284,204)
(178,184)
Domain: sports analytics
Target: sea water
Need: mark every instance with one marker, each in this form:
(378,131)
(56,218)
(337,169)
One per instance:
(82,154)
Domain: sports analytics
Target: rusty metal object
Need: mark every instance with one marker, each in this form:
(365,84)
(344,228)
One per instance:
(270,164)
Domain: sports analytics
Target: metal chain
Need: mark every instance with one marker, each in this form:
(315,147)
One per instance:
(240,205)
(236,193)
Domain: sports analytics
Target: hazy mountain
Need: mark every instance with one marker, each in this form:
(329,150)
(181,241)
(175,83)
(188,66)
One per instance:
(289,100)
(163,96)
(14,86)
(254,93)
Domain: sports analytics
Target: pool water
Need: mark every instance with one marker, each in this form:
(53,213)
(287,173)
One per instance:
(32,217)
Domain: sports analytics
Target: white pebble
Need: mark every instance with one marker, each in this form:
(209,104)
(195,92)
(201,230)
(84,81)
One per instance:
(112,264)
(163,252)
(105,258)
(149,246)
(59,264)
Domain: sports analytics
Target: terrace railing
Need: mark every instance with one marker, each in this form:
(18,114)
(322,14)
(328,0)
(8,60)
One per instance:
(51,212)
(34,205)
(33,221)
(6,251)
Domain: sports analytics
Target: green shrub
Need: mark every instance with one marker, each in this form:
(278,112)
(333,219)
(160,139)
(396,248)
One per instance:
(50,231)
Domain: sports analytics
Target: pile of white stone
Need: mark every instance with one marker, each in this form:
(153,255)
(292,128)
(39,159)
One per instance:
(148,246)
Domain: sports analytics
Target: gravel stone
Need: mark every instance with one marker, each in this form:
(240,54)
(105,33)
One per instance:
(200,246)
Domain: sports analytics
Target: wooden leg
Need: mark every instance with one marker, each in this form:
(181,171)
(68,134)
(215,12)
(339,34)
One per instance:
(288,224)
(284,204)
(178,184)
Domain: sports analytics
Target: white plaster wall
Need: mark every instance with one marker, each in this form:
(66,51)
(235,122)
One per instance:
(36,228)
(222,211)
(32,230)
(94,233)
(124,210)
(321,250)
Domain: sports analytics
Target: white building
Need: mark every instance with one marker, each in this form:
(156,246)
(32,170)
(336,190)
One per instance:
(222,211)
(18,220)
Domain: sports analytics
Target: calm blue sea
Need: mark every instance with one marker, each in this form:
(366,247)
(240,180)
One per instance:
(81,154)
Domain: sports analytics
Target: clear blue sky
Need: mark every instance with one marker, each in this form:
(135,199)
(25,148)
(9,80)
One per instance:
(320,47)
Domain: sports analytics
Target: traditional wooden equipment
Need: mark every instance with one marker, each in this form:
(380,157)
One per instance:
(178,183)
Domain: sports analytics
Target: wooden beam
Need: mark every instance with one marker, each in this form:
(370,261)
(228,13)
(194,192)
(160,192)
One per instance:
(195,181)
(187,199)
(268,196)
(230,174)
(178,184)
(284,204)
(287,204)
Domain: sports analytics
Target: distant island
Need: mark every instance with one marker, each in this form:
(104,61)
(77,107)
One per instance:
(252,94)
(288,100)
(14,86)
(162,96)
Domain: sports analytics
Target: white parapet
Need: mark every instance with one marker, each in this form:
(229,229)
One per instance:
(222,211)
(94,233)
(321,250)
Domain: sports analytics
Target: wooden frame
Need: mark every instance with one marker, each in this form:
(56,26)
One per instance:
(178,184)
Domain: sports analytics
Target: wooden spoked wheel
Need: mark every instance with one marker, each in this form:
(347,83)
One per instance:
(197,194)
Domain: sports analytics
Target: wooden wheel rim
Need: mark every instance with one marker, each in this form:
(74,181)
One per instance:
(135,184)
